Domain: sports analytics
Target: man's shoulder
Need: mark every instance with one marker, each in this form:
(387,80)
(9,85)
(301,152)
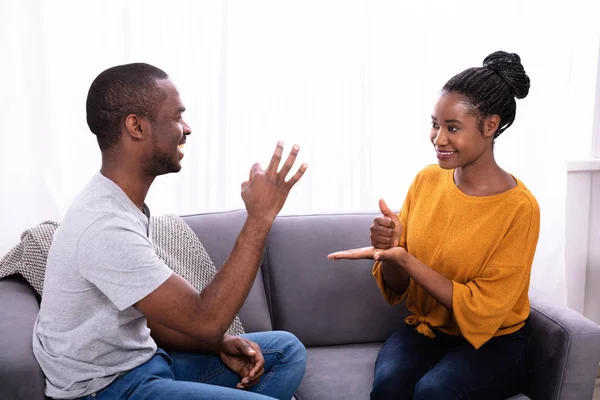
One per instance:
(96,207)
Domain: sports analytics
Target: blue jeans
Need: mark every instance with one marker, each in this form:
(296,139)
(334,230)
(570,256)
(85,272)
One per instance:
(413,366)
(200,376)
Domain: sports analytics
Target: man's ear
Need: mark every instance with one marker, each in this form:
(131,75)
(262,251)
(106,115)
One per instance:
(136,127)
(491,125)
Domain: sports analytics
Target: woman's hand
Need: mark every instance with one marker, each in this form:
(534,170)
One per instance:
(387,229)
(394,254)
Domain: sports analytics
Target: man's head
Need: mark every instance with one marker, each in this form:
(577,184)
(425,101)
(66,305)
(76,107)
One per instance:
(136,109)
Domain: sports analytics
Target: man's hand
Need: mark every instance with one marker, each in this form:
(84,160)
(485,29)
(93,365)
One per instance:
(243,357)
(394,254)
(387,229)
(265,192)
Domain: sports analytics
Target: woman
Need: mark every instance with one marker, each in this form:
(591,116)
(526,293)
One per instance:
(460,252)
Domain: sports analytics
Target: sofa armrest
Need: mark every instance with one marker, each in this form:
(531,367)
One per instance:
(565,353)
(20,374)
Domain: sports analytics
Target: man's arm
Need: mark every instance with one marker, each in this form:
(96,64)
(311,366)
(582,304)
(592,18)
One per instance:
(170,340)
(207,315)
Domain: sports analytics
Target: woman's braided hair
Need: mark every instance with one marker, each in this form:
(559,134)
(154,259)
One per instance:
(492,89)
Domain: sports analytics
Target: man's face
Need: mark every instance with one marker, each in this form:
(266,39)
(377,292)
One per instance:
(169,132)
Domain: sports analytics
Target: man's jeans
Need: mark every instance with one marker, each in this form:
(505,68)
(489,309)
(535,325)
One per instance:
(199,376)
(413,366)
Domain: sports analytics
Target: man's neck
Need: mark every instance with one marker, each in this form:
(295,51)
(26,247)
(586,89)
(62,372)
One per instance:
(131,181)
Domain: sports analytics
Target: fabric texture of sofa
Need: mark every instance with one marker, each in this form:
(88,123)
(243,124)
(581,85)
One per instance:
(334,308)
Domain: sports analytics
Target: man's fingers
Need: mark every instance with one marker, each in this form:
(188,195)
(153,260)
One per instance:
(256,379)
(256,168)
(247,349)
(297,175)
(353,254)
(275,160)
(289,162)
(385,210)
(259,364)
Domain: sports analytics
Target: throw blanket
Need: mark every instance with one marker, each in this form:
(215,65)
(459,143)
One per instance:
(174,241)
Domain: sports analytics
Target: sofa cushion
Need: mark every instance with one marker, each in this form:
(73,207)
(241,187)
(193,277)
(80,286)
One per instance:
(326,302)
(343,372)
(20,374)
(339,372)
(218,232)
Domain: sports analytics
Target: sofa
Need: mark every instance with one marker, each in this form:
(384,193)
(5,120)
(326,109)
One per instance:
(334,308)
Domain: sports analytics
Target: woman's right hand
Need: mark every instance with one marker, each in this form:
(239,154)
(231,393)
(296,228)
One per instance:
(387,229)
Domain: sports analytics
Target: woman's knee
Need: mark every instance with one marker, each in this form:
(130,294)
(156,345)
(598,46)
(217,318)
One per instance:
(390,386)
(434,388)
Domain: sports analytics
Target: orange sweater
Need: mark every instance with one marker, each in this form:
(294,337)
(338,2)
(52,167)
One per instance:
(484,245)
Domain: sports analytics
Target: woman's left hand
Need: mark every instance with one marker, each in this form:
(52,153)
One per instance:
(395,254)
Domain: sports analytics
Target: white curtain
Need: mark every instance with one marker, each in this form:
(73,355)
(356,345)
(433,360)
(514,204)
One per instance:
(353,82)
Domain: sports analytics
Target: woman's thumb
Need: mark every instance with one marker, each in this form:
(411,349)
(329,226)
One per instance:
(385,210)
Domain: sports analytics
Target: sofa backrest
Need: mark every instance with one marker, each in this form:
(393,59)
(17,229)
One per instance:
(301,291)
(321,301)
(218,232)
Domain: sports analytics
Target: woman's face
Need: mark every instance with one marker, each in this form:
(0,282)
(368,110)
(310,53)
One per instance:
(456,132)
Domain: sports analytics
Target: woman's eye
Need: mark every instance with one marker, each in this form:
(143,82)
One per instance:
(434,125)
(452,128)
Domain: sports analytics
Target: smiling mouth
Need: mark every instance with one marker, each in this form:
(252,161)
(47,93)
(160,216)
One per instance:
(180,146)
(445,153)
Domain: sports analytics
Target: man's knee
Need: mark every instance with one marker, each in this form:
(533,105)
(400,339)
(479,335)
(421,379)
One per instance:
(292,348)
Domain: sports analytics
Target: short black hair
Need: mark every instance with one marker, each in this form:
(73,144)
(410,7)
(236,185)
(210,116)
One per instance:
(118,92)
(492,89)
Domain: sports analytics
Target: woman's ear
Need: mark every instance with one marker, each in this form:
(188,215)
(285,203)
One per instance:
(491,125)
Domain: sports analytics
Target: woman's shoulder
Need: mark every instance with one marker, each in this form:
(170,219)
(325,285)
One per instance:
(524,199)
(432,172)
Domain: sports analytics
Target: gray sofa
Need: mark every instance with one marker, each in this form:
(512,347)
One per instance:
(335,309)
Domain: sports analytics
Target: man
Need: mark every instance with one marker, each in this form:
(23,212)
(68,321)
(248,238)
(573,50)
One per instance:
(108,298)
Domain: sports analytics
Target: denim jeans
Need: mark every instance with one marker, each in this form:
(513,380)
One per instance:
(413,366)
(200,376)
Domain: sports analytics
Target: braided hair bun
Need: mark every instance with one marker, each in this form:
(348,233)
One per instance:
(509,67)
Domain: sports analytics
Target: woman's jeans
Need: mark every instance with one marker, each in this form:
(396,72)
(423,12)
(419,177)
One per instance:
(413,366)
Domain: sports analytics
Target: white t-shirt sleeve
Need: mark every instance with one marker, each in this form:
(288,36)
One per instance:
(115,255)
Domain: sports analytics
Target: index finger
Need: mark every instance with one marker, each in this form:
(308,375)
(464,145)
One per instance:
(353,254)
(259,362)
(275,160)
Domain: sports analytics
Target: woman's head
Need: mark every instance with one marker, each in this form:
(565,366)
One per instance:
(475,107)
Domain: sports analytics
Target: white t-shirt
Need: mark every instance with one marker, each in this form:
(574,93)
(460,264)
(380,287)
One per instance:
(101,262)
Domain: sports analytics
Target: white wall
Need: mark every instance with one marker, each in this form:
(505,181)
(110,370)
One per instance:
(352,81)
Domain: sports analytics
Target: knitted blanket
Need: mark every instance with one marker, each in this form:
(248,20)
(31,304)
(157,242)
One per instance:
(174,241)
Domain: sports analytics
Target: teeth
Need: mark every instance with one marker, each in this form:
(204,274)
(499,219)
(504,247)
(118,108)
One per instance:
(180,147)
(446,153)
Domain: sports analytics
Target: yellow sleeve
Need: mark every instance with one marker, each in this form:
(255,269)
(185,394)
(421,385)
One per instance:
(481,305)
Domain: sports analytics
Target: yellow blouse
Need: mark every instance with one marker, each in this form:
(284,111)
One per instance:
(484,245)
